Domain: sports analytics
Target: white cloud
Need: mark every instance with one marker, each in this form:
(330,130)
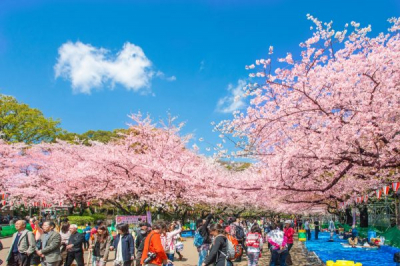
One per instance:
(88,67)
(161,75)
(202,65)
(235,99)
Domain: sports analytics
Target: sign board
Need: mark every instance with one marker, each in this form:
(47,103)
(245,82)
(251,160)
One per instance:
(119,219)
(149,217)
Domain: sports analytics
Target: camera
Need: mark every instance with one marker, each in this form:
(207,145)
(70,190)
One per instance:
(150,256)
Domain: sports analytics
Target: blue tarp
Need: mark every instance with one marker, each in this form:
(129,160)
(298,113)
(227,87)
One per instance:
(335,251)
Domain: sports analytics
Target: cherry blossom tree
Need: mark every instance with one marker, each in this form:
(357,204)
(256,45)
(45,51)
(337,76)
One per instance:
(325,125)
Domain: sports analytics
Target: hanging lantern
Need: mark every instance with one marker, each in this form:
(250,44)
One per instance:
(3,203)
(365,198)
(88,203)
(385,190)
(60,203)
(395,186)
(378,193)
(74,204)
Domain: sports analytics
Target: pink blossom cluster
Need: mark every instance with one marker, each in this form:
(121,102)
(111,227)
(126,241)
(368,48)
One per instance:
(325,126)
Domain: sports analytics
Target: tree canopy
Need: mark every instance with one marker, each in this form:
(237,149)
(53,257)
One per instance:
(21,123)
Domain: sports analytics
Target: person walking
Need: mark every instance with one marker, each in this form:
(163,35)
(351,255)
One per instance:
(153,251)
(51,242)
(22,247)
(278,241)
(86,232)
(331,229)
(65,235)
(254,243)
(204,233)
(100,246)
(168,239)
(289,232)
(75,247)
(37,232)
(218,255)
(139,241)
(124,246)
(308,230)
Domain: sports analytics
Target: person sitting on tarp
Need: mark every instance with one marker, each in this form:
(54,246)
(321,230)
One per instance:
(348,234)
(353,240)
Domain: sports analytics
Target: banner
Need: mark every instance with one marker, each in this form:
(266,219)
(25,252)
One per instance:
(395,186)
(385,190)
(119,219)
(378,193)
(365,198)
(149,217)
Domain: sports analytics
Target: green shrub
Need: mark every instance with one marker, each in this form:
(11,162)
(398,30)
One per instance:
(99,216)
(80,220)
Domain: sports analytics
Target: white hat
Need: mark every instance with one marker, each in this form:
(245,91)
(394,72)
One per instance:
(288,222)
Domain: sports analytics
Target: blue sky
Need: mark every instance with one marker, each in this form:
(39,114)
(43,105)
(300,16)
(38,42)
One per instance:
(194,53)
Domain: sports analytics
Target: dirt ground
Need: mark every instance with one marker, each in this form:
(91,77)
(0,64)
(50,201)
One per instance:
(190,255)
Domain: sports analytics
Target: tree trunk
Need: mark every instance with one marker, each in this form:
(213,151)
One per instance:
(183,217)
(120,207)
(349,217)
(397,206)
(363,216)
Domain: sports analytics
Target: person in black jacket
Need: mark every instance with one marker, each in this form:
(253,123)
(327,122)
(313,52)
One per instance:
(75,247)
(202,227)
(316,223)
(139,241)
(218,255)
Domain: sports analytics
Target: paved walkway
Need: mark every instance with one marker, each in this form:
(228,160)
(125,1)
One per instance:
(190,255)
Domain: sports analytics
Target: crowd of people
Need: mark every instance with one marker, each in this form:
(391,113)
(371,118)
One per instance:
(220,242)
(213,242)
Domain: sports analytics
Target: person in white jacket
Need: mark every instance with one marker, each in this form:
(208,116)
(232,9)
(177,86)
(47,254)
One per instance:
(168,239)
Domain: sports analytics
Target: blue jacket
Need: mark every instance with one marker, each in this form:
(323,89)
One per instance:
(87,233)
(128,246)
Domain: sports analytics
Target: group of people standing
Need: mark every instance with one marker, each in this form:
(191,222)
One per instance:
(220,243)
(216,239)
(152,245)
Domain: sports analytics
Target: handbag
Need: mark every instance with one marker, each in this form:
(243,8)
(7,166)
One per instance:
(179,246)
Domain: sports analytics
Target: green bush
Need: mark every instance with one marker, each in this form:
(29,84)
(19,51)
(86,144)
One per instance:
(80,220)
(99,216)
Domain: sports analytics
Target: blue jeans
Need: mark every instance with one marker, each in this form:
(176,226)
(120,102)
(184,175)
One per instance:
(202,255)
(96,261)
(282,257)
(308,234)
(171,256)
(253,258)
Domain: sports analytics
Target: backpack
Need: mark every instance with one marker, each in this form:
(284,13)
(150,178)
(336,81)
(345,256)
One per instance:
(198,239)
(396,257)
(253,240)
(238,250)
(239,232)
(230,249)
